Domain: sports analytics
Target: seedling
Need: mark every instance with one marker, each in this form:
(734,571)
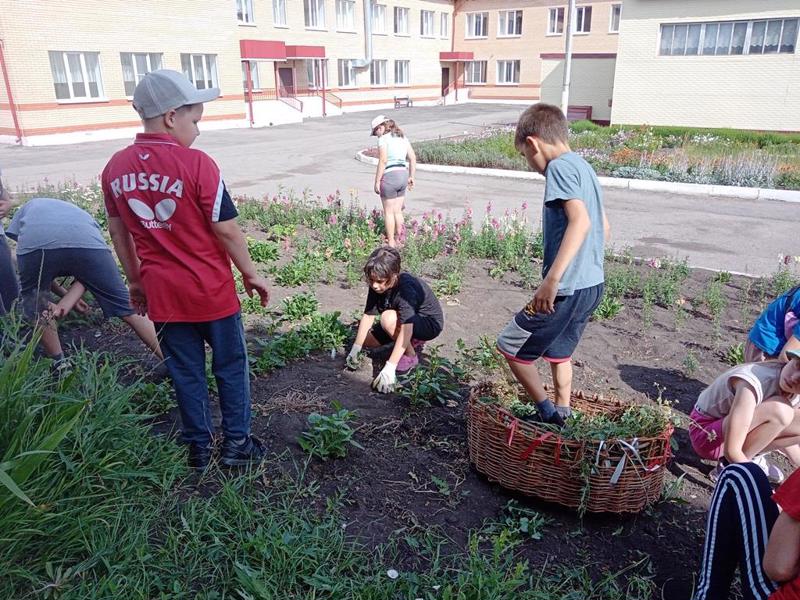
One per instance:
(300,306)
(329,435)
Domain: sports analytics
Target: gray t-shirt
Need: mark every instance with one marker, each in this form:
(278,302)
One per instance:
(764,377)
(570,177)
(48,224)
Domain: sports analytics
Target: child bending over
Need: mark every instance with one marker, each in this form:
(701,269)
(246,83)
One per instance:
(409,313)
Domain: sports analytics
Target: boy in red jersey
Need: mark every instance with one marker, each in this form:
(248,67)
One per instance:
(174,229)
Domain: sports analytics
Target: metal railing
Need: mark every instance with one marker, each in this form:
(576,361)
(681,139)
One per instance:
(292,101)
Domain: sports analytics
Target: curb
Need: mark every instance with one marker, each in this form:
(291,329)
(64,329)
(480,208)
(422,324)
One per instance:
(693,189)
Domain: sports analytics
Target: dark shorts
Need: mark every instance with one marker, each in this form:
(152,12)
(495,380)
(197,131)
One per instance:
(425,329)
(9,286)
(554,336)
(94,268)
(394,184)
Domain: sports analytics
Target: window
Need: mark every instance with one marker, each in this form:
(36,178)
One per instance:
(555,23)
(135,66)
(346,15)
(254,77)
(347,74)
(477,25)
(279,13)
(727,38)
(444,25)
(315,13)
(426,23)
(507,71)
(616,13)
(510,23)
(76,75)
(377,72)
(200,69)
(401,68)
(583,19)
(316,73)
(476,71)
(400,20)
(378,18)
(244,11)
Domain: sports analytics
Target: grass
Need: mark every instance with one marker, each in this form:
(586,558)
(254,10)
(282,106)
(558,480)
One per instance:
(711,156)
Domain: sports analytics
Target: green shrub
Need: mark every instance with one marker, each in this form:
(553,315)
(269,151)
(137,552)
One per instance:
(300,306)
(329,435)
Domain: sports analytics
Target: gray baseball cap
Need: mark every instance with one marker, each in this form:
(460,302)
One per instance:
(161,91)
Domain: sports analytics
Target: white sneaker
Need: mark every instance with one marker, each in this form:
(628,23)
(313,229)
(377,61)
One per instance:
(771,470)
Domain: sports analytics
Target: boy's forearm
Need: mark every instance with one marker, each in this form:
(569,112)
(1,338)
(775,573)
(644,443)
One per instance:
(235,244)
(574,236)
(125,249)
(364,326)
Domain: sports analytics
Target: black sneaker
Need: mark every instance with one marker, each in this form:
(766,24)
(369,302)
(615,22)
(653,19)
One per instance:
(249,451)
(199,456)
(554,419)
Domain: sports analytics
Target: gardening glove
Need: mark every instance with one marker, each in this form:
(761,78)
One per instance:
(386,379)
(352,361)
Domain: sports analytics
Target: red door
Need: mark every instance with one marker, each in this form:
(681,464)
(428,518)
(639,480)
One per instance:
(286,76)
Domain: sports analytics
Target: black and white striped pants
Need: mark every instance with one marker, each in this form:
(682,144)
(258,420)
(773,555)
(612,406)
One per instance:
(740,519)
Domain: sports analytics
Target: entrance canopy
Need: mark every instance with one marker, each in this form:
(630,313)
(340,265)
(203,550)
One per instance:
(456,56)
(300,52)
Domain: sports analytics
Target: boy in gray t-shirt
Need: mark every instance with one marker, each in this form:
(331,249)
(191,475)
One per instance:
(574,228)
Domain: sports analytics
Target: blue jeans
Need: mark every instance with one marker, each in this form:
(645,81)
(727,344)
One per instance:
(183,345)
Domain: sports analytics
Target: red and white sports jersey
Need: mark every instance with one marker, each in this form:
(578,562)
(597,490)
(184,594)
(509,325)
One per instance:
(168,196)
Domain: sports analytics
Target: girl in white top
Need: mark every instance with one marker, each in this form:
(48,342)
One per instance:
(395,173)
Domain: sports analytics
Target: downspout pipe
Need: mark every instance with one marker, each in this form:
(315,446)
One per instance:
(9,94)
(360,63)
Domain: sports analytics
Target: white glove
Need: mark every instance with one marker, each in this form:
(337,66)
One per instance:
(352,361)
(386,379)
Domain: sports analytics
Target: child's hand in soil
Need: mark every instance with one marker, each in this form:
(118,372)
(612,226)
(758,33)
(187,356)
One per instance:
(386,380)
(353,360)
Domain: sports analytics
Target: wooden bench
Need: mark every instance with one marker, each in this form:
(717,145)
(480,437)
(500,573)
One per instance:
(579,113)
(403,101)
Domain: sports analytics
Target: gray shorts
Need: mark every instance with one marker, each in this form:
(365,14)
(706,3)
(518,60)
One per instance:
(394,184)
(94,268)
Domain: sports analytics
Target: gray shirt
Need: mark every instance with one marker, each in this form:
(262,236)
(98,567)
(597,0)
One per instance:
(48,224)
(570,177)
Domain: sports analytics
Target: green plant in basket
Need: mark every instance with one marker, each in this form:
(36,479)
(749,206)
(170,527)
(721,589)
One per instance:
(329,436)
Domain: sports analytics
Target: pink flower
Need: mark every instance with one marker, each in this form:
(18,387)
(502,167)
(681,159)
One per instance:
(333,219)
(495,223)
(654,263)
(489,207)
(524,206)
(469,212)
(439,217)
(347,243)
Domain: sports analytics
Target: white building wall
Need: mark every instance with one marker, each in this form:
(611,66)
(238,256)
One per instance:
(743,92)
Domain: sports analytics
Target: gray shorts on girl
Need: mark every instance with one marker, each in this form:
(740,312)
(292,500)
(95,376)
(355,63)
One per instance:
(394,184)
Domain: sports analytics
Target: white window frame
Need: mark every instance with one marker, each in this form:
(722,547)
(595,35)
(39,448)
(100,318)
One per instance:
(618,9)
(707,26)
(101,97)
(401,10)
(427,17)
(469,72)
(279,14)
(378,18)
(503,22)
(345,66)
(254,75)
(501,69)
(314,14)
(580,17)
(346,20)
(316,73)
(209,66)
(472,17)
(406,68)
(377,72)
(244,12)
(137,76)
(444,25)
(552,20)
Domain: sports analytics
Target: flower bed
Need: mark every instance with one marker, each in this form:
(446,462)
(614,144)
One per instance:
(718,157)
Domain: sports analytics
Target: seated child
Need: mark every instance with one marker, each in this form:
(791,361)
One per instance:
(745,529)
(776,330)
(749,409)
(409,313)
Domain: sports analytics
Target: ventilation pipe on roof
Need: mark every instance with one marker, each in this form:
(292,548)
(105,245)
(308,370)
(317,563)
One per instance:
(360,63)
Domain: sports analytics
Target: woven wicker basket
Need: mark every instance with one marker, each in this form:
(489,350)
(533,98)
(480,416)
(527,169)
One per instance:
(617,476)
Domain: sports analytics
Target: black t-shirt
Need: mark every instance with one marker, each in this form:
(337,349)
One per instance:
(410,297)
